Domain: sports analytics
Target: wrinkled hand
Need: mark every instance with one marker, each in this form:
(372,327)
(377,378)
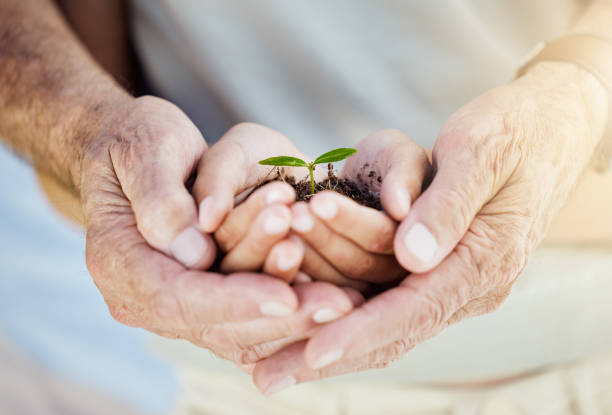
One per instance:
(143,244)
(505,164)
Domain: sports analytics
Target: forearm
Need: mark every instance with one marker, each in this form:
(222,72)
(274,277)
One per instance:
(52,93)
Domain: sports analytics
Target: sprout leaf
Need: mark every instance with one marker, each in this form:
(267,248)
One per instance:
(284,161)
(335,155)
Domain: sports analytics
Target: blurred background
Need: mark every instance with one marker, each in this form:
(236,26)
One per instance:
(58,343)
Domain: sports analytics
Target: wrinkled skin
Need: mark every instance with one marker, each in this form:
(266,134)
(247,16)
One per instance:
(133,175)
(504,164)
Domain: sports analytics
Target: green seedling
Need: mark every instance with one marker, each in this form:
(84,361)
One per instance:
(333,156)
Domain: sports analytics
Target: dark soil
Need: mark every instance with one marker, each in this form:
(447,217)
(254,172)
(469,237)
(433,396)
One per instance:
(359,193)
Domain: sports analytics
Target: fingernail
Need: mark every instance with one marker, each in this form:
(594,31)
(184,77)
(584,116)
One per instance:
(303,222)
(302,278)
(286,262)
(421,243)
(189,247)
(205,217)
(328,358)
(403,200)
(274,309)
(280,384)
(324,208)
(274,196)
(298,242)
(274,225)
(324,315)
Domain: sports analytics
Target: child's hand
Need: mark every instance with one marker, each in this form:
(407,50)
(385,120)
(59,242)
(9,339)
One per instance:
(256,233)
(347,240)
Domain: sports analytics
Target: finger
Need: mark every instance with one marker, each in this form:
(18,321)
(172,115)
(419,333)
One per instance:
(165,212)
(317,268)
(301,277)
(368,228)
(354,295)
(231,166)
(287,367)
(155,292)
(285,258)
(440,217)
(474,278)
(348,258)
(270,227)
(319,303)
(402,164)
(239,220)
(402,183)
(422,304)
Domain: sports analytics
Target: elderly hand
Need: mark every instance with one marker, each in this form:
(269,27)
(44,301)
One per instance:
(505,164)
(142,238)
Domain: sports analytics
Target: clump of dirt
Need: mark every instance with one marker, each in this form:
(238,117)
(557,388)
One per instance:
(359,193)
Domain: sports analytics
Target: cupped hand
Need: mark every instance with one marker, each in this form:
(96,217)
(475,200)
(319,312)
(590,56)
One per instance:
(254,234)
(143,243)
(348,240)
(504,165)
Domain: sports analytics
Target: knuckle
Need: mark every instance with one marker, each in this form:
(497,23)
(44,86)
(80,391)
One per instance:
(360,265)
(432,313)
(122,315)
(227,236)
(490,262)
(382,241)
(454,200)
(166,208)
(221,337)
(204,336)
(396,350)
(250,355)
(168,309)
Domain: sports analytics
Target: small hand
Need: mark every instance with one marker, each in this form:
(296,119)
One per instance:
(256,232)
(348,240)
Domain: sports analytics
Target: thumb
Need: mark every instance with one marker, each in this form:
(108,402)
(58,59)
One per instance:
(230,169)
(221,176)
(165,211)
(402,165)
(440,217)
(408,168)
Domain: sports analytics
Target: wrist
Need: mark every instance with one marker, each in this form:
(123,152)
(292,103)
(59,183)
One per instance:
(90,131)
(571,84)
(588,50)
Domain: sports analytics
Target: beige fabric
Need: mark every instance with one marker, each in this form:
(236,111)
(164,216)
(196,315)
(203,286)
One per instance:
(581,388)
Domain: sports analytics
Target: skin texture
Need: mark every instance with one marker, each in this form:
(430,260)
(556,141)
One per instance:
(128,160)
(332,238)
(504,164)
(535,136)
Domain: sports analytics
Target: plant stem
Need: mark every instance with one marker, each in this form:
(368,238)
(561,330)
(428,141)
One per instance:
(312,183)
